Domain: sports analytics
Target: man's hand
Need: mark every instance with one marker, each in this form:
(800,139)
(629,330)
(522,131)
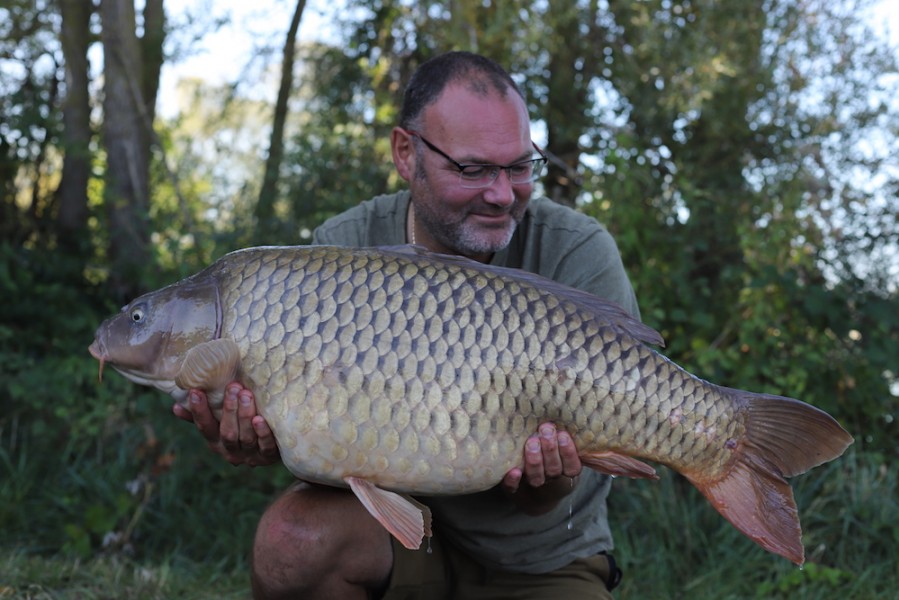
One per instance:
(242,437)
(551,468)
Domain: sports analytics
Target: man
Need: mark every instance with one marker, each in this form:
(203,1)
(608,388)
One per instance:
(463,145)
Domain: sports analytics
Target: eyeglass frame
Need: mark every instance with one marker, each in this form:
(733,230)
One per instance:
(541,161)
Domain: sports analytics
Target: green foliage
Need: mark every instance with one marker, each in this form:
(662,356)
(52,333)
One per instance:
(29,96)
(89,468)
(43,339)
(341,154)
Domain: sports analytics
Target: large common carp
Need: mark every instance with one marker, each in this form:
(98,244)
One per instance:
(395,371)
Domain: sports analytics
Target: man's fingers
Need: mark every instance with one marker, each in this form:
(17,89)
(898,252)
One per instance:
(183,413)
(203,417)
(229,428)
(533,462)
(549,446)
(268,446)
(571,462)
(550,454)
(241,436)
(245,412)
(512,480)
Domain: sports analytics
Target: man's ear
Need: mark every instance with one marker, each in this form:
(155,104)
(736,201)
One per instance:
(403,148)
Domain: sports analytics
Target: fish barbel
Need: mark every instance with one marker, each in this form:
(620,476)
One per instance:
(394,371)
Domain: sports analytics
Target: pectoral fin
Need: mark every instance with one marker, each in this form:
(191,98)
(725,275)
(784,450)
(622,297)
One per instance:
(409,521)
(619,465)
(210,366)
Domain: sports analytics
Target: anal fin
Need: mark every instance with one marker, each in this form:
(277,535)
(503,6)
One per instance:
(407,520)
(619,465)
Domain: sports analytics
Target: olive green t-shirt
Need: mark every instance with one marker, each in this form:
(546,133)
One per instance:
(562,244)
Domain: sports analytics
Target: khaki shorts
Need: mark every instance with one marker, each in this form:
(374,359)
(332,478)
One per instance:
(442,572)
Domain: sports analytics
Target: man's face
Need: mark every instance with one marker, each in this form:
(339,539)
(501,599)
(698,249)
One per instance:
(471,129)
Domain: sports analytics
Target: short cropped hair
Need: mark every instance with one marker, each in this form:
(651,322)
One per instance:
(478,73)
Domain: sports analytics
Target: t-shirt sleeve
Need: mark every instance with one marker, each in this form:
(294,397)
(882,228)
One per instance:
(575,249)
(380,221)
(344,230)
(594,265)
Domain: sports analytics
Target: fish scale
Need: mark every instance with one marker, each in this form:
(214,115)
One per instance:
(396,369)
(422,311)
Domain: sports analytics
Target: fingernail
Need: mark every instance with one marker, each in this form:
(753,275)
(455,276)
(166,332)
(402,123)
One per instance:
(564,439)
(244,399)
(547,431)
(193,398)
(533,445)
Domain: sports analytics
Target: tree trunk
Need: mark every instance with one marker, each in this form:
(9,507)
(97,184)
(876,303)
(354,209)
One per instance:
(571,71)
(126,137)
(151,55)
(265,207)
(72,191)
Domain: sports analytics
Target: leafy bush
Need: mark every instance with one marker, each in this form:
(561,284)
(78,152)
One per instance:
(88,468)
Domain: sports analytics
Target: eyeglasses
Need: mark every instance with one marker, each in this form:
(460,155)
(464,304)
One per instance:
(474,176)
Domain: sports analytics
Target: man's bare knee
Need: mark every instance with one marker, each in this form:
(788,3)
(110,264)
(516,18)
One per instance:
(287,549)
(315,541)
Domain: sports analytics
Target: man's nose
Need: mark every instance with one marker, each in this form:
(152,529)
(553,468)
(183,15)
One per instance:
(501,191)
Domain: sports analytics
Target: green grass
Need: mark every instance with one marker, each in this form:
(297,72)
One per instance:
(115,578)
(140,508)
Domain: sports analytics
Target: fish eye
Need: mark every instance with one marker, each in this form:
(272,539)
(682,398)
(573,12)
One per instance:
(137,314)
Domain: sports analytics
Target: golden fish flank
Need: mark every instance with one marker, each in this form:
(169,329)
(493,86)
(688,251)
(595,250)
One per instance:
(395,369)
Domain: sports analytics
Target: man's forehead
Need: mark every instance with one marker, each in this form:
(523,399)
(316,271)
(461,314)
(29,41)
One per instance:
(460,108)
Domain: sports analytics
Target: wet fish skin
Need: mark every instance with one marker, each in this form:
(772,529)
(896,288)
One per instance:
(395,369)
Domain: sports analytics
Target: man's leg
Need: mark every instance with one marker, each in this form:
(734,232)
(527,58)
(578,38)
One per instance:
(319,542)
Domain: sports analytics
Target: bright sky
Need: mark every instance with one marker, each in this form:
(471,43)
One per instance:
(885,20)
(221,55)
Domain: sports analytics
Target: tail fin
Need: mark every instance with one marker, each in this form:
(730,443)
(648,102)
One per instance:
(784,437)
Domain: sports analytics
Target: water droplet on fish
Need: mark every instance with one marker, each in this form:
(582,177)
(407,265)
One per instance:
(570,509)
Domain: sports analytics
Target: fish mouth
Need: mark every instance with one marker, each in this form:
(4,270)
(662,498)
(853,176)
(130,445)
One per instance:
(99,352)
